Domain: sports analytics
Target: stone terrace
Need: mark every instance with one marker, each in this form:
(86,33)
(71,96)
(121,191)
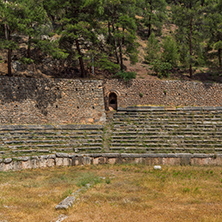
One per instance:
(158,130)
(147,130)
(17,140)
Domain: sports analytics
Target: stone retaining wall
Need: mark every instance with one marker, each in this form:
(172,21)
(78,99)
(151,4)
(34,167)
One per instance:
(43,101)
(63,159)
(166,93)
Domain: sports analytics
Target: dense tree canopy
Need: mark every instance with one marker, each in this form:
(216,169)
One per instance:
(79,34)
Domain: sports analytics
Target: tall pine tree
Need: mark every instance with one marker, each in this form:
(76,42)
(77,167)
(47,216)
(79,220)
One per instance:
(187,16)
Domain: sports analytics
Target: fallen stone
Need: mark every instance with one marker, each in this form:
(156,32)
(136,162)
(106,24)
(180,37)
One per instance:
(157,167)
(66,203)
(8,160)
(69,201)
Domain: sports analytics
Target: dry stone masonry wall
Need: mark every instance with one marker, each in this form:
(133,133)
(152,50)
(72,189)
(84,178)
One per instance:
(150,135)
(58,122)
(164,93)
(63,159)
(44,101)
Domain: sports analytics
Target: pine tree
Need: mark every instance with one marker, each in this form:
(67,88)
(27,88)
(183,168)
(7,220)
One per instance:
(170,51)
(187,15)
(152,49)
(120,17)
(34,19)
(11,18)
(76,22)
(213,26)
(154,14)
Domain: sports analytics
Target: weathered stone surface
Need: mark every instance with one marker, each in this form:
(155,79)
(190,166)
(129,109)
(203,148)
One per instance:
(8,160)
(165,93)
(61,101)
(62,155)
(66,203)
(151,159)
(69,201)
(24,159)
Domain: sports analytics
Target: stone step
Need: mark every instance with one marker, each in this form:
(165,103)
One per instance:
(49,128)
(51,134)
(128,148)
(163,150)
(28,151)
(169,116)
(50,140)
(88,148)
(166,136)
(142,145)
(35,141)
(91,144)
(37,146)
(167,121)
(167,131)
(160,125)
(177,141)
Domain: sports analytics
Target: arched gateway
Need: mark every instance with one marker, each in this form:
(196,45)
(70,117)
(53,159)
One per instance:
(113,100)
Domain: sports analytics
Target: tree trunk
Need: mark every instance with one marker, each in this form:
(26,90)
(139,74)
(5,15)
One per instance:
(109,31)
(8,37)
(120,51)
(150,17)
(115,45)
(121,55)
(82,69)
(191,47)
(219,57)
(29,47)
(116,51)
(149,30)
(123,39)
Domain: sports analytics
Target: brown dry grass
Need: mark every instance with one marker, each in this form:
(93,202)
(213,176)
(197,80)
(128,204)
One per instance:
(129,193)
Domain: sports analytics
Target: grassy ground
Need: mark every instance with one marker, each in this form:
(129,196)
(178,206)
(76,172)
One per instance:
(124,193)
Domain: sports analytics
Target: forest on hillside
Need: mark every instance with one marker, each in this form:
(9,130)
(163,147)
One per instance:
(88,36)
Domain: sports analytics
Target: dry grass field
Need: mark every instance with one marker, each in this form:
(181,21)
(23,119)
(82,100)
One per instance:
(119,193)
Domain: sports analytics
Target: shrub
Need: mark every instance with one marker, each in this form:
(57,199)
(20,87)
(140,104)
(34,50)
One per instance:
(161,68)
(126,76)
(170,51)
(152,49)
(105,64)
(25,60)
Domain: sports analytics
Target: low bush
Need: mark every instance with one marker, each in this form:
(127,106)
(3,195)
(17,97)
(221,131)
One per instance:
(126,76)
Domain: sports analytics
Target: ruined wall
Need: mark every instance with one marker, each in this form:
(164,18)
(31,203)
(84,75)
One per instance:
(167,93)
(43,101)
(64,159)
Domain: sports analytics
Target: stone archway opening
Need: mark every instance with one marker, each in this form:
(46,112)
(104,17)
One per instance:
(113,100)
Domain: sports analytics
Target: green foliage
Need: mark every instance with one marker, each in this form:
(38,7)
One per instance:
(105,64)
(87,178)
(25,60)
(126,76)
(51,48)
(107,180)
(187,16)
(170,51)
(196,33)
(121,36)
(218,45)
(152,50)
(161,68)
(154,14)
